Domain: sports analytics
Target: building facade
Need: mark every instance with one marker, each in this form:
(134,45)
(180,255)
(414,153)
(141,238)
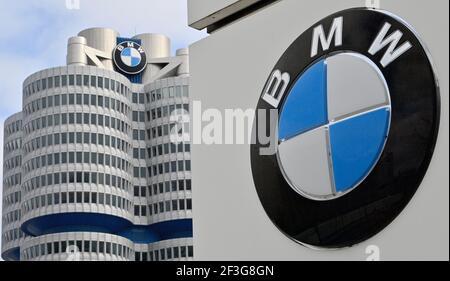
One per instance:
(91,168)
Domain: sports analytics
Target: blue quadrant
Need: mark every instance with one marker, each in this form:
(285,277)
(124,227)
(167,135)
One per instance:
(126,52)
(135,61)
(306,106)
(356,144)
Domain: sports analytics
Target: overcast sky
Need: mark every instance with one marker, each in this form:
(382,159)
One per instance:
(34,36)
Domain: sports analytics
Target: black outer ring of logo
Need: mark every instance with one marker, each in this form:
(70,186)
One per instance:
(380,198)
(125,68)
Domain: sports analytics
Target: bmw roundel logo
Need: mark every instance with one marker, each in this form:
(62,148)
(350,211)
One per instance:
(130,58)
(358,112)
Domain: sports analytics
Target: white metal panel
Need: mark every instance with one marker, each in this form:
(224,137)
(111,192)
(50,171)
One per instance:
(229,70)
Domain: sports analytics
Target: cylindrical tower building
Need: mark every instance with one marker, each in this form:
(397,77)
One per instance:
(90,171)
(76,151)
(12,236)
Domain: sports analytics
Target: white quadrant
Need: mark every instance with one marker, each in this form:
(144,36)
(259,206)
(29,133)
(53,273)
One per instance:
(354,84)
(305,163)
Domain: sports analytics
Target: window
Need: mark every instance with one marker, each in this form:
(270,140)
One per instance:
(100,136)
(56,158)
(86,80)
(71,80)
(86,99)
(185,91)
(188,184)
(57,81)
(50,82)
(101,178)
(167,207)
(93,157)
(50,159)
(173,166)
(188,165)
(71,157)
(71,118)
(93,100)
(181,204)
(64,80)
(71,177)
(71,197)
(57,100)
(79,197)
(94,178)
(79,80)
(93,137)
(86,197)
(80,179)
(189,204)
(63,99)
(79,119)
(79,158)
(64,136)
(71,99)
(174,205)
(101,248)
(79,99)
(86,177)
(100,82)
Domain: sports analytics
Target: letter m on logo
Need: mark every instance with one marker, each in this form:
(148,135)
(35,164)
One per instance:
(320,37)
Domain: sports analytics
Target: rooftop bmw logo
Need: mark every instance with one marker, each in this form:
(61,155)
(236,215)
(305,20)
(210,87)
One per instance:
(358,105)
(130,58)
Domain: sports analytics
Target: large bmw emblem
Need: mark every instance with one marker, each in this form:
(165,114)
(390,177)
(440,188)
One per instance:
(130,58)
(358,117)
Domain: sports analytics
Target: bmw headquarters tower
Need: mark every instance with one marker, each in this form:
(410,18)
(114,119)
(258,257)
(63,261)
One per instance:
(90,169)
